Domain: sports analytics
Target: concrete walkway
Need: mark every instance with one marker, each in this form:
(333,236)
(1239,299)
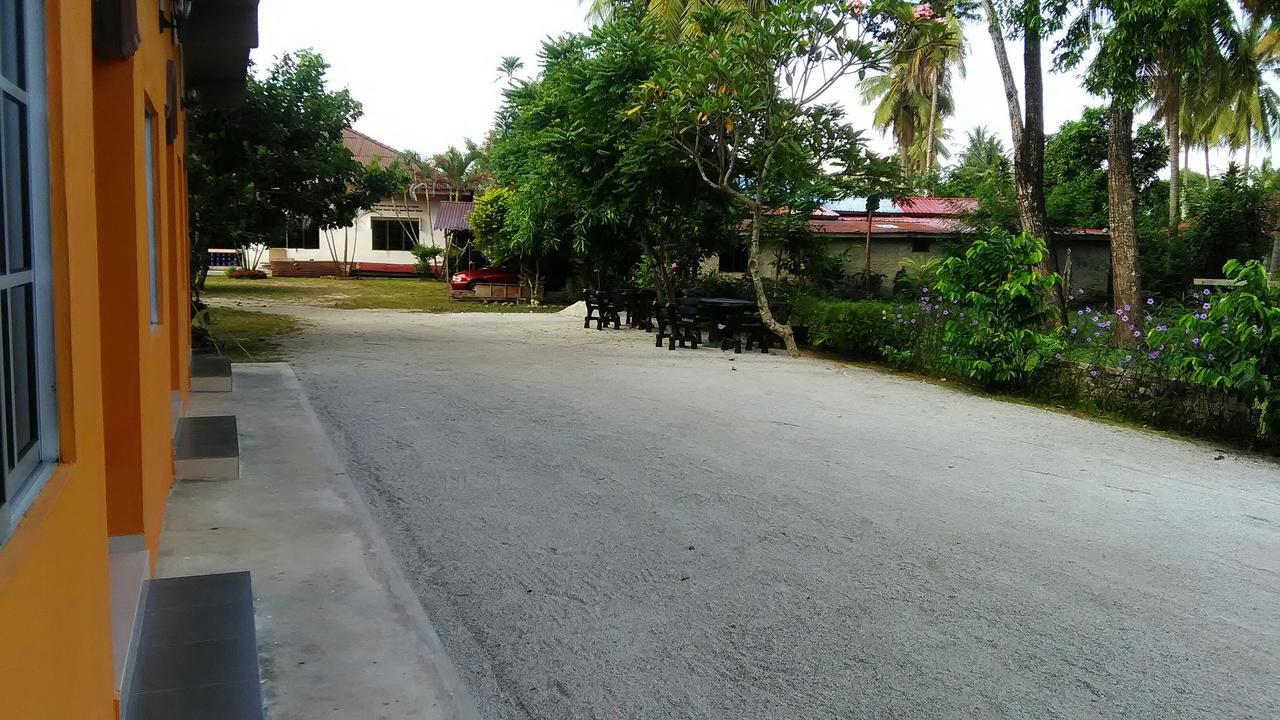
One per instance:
(341,635)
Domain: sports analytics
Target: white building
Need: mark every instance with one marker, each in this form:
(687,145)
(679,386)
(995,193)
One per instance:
(380,240)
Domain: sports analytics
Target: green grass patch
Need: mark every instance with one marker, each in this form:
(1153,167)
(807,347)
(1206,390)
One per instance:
(355,294)
(244,336)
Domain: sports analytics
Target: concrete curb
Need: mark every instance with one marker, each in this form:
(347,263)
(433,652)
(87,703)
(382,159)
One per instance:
(463,705)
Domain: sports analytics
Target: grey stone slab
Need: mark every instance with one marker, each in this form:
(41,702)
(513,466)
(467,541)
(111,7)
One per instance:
(226,701)
(210,373)
(194,590)
(202,438)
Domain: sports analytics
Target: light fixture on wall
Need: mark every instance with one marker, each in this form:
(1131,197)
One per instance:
(179,11)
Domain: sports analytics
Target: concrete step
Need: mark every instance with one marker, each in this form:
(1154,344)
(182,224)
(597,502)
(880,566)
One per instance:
(198,657)
(207,448)
(210,373)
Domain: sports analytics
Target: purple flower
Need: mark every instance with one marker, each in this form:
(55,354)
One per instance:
(946,312)
(1119,311)
(1137,333)
(1127,308)
(1154,355)
(1088,309)
(1125,318)
(1204,316)
(1195,341)
(1162,328)
(1206,292)
(1094,373)
(1212,357)
(1127,358)
(1080,312)
(1074,330)
(1207,306)
(1151,301)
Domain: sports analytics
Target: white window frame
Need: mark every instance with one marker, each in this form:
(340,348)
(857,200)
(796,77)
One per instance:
(33,471)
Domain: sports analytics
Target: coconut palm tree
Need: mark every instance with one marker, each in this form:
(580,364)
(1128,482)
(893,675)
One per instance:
(914,98)
(1252,108)
(507,69)
(677,17)
(460,169)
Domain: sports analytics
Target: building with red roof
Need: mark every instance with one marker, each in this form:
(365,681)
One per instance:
(914,230)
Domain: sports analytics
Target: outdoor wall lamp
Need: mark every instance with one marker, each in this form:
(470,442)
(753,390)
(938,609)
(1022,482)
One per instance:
(179,11)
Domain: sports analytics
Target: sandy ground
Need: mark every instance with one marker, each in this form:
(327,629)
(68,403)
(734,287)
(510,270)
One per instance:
(602,529)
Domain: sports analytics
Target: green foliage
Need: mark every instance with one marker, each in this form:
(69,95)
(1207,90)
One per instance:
(425,259)
(1231,342)
(489,223)
(1075,169)
(857,329)
(1225,222)
(994,302)
(583,180)
(279,157)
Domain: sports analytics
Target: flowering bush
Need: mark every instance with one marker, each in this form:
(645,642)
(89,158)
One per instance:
(1231,342)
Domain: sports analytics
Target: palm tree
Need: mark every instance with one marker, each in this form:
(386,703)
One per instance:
(510,65)
(1201,50)
(1252,112)
(678,18)
(914,98)
(460,169)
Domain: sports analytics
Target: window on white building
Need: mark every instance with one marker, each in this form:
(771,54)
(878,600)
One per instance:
(28,419)
(394,234)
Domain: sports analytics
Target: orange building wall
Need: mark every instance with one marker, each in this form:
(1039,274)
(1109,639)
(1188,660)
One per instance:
(150,359)
(117,375)
(55,643)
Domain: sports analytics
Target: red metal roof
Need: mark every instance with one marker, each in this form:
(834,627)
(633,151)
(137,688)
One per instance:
(366,149)
(887,225)
(454,216)
(946,207)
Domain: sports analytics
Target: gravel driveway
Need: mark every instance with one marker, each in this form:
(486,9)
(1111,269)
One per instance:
(600,529)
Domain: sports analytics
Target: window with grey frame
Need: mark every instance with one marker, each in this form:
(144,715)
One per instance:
(28,427)
(394,234)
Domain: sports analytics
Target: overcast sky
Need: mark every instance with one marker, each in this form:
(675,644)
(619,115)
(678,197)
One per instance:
(425,70)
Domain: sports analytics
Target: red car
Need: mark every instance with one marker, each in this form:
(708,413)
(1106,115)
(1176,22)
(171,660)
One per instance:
(468,279)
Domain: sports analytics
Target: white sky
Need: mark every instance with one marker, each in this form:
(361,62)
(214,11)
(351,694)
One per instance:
(425,70)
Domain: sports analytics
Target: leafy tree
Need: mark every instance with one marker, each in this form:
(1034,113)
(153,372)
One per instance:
(278,158)
(580,174)
(1075,169)
(743,103)
(676,19)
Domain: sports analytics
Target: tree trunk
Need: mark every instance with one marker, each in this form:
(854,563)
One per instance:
(762,300)
(1206,165)
(1006,71)
(1172,110)
(933,121)
(1029,160)
(866,269)
(1122,196)
(1248,150)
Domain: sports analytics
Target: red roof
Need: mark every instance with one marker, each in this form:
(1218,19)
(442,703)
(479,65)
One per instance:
(366,149)
(454,216)
(887,225)
(946,207)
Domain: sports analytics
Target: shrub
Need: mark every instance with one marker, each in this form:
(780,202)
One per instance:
(1231,342)
(993,302)
(426,259)
(856,328)
(246,274)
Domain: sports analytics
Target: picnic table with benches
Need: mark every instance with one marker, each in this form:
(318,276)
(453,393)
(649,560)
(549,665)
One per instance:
(729,322)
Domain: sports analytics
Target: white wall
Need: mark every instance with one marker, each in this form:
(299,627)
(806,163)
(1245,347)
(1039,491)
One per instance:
(359,237)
